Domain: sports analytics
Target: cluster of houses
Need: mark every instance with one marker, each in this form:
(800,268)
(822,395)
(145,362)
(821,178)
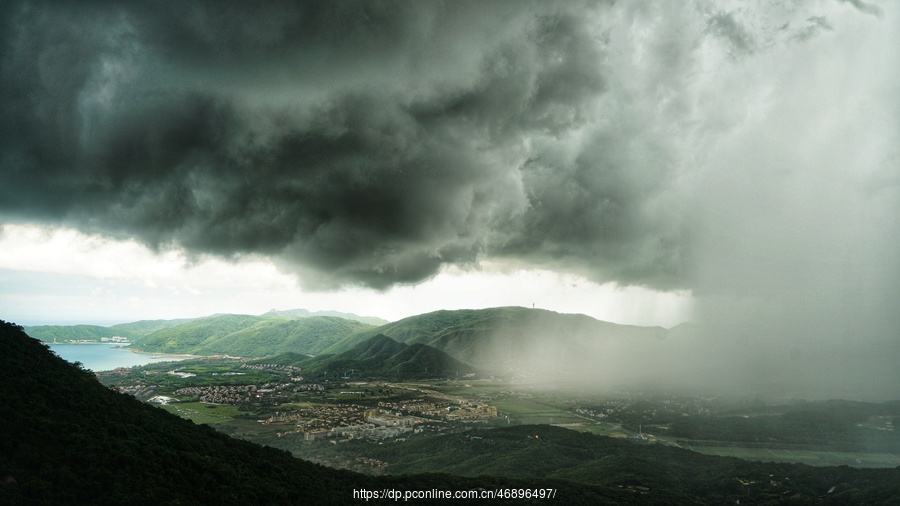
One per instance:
(274,368)
(309,387)
(389,420)
(346,421)
(443,410)
(114,339)
(268,394)
(322,417)
(221,394)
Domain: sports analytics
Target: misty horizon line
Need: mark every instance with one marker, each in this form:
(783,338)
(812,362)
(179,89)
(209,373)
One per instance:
(35,322)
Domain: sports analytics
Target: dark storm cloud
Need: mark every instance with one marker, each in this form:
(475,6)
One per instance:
(354,142)
(725,26)
(364,142)
(866,7)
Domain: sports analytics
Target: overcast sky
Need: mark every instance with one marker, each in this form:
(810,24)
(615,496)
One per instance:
(640,162)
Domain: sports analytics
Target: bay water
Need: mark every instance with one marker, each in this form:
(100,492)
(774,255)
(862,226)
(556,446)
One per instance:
(106,357)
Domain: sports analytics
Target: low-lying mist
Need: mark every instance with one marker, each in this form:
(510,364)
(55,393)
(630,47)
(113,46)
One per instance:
(751,358)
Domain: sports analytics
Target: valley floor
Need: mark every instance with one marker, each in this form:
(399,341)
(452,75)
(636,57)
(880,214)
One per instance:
(271,407)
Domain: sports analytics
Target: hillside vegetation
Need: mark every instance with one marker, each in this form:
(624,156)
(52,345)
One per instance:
(133,330)
(51,333)
(381,356)
(145,327)
(495,339)
(251,336)
(305,313)
(77,442)
(498,337)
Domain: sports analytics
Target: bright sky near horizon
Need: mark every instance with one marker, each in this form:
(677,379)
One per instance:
(61,276)
(640,162)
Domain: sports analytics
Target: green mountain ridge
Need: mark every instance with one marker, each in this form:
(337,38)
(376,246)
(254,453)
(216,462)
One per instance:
(498,337)
(146,327)
(51,333)
(381,356)
(251,336)
(304,313)
(275,332)
(493,339)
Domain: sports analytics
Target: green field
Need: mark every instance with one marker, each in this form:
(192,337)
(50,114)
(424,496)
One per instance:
(521,408)
(530,411)
(472,389)
(199,412)
(809,457)
(600,429)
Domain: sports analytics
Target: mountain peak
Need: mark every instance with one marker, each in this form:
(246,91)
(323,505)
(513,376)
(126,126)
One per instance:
(305,313)
(382,356)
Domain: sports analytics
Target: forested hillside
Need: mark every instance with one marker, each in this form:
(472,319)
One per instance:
(69,440)
(62,333)
(305,313)
(381,356)
(497,337)
(251,336)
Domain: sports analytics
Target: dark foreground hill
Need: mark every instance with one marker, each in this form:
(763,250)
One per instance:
(381,357)
(66,439)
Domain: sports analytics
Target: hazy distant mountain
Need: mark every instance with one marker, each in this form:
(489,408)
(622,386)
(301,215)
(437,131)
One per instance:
(303,313)
(146,327)
(251,336)
(381,356)
(511,336)
(61,333)
(131,330)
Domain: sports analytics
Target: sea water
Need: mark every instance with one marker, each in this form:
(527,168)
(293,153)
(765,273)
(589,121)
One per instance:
(106,357)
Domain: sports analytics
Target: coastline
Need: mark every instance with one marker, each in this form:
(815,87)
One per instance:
(82,342)
(107,358)
(120,346)
(161,354)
